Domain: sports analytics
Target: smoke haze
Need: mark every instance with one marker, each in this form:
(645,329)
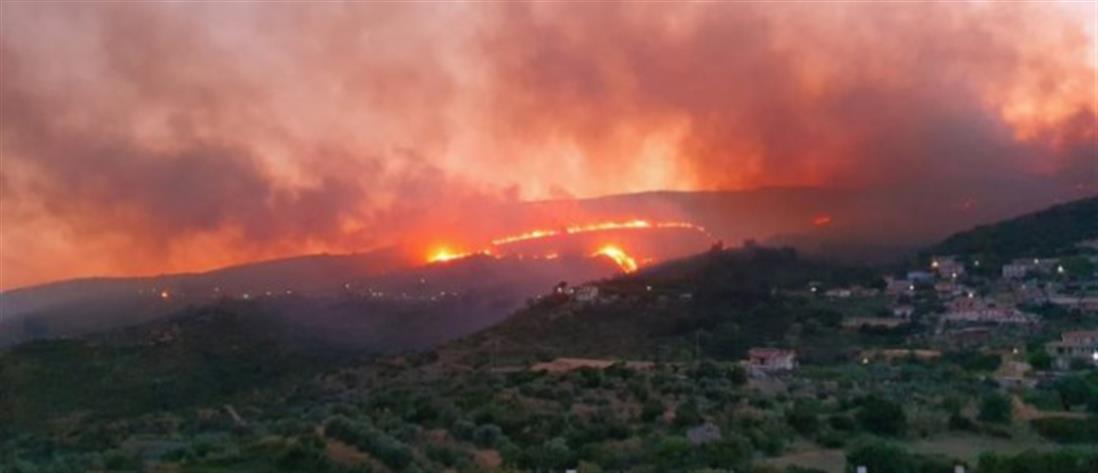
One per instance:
(147,138)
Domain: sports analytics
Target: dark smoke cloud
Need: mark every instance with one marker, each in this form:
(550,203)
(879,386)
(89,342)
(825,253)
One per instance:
(141,138)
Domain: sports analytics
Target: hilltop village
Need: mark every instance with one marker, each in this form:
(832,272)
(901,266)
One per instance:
(954,302)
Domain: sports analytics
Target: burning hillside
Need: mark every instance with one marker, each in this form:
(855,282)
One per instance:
(625,242)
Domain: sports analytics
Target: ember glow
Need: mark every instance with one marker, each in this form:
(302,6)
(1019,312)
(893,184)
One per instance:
(822,220)
(154,137)
(623,260)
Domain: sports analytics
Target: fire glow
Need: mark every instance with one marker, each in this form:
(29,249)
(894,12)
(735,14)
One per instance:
(626,262)
(444,254)
(597,227)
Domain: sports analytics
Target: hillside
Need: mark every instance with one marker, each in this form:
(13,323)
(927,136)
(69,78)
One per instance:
(231,387)
(714,305)
(356,299)
(197,357)
(1053,231)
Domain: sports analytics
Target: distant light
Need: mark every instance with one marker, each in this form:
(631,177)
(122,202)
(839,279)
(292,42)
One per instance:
(1094,356)
(1060,269)
(247,296)
(165,295)
(648,288)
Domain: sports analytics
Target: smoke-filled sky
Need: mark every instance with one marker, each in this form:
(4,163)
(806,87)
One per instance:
(147,138)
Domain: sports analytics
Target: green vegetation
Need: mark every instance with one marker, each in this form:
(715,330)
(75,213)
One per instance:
(222,389)
(1050,232)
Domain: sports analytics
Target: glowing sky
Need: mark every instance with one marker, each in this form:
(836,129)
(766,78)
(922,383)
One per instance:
(146,138)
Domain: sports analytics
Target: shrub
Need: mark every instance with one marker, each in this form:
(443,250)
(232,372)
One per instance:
(1074,391)
(463,429)
(842,422)
(368,438)
(1068,430)
(487,435)
(446,455)
(960,422)
(1040,360)
(652,410)
(802,417)
(996,408)
(882,417)
(1060,462)
(880,458)
(687,414)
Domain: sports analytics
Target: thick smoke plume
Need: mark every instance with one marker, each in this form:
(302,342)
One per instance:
(140,138)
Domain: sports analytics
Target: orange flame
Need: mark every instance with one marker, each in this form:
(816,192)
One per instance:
(443,254)
(597,227)
(626,262)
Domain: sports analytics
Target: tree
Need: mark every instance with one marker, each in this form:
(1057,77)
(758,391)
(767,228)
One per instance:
(687,414)
(881,458)
(802,417)
(1040,360)
(652,410)
(487,435)
(1078,267)
(463,429)
(996,408)
(882,417)
(1073,390)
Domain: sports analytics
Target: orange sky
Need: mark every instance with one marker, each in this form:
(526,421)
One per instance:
(140,139)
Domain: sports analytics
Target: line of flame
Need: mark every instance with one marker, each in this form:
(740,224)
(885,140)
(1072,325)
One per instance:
(597,227)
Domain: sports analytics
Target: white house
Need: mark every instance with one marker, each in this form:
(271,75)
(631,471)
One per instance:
(1080,345)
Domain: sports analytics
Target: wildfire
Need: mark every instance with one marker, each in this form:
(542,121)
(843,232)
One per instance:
(443,254)
(626,262)
(597,227)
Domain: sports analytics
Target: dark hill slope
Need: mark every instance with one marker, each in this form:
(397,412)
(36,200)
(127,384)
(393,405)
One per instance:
(200,357)
(1053,231)
(715,305)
